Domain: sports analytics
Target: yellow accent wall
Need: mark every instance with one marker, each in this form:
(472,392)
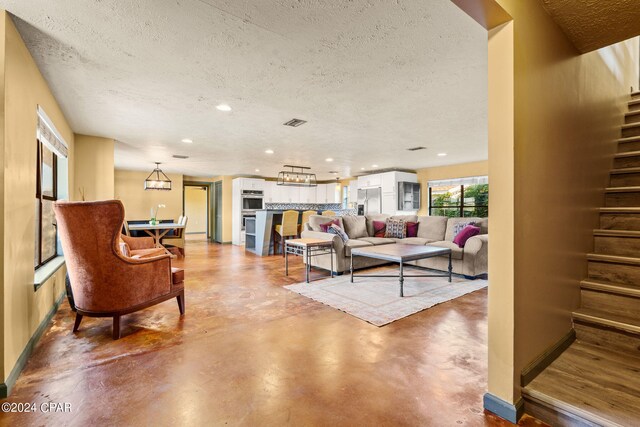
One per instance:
(94,171)
(129,188)
(195,208)
(23,89)
(227,199)
(461,170)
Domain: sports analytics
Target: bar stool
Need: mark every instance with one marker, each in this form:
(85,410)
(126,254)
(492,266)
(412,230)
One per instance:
(328,213)
(305,219)
(288,228)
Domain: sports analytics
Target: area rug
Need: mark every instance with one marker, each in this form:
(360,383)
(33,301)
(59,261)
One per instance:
(375,299)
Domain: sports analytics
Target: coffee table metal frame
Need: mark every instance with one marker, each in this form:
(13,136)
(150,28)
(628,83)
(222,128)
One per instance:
(400,259)
(307,248)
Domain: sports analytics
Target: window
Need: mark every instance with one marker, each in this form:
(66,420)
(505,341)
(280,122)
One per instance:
(46,195)
(345,197)
(468,197)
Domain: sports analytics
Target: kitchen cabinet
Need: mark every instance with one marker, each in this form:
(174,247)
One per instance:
(307,195)
(388,182)
(368,181)
(252,184)
(321,193)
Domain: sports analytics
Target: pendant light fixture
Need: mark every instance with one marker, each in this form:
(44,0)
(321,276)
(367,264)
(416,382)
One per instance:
(297,177)
(157,180)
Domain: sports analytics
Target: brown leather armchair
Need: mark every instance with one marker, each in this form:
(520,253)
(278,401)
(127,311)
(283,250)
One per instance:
(106,283)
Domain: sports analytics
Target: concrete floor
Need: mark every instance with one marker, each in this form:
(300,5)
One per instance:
(249,352)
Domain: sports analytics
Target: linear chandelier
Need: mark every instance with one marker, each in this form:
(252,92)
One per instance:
(297,177)
(157,180)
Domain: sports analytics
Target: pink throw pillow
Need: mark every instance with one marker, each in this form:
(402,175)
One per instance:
(465,234)
(412,229)
(325,227)
(379,228)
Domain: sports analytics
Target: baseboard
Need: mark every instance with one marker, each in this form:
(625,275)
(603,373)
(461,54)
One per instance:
(508,411)
(5,387)
(545,359)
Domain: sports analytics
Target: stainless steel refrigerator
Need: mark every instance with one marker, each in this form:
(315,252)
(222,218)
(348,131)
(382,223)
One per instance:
(370,199)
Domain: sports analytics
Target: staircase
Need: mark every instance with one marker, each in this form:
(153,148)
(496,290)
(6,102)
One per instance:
(596,381)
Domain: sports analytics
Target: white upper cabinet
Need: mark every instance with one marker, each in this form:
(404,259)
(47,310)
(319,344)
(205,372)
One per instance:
(252,184)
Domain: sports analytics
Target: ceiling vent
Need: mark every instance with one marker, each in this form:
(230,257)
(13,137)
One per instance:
(416,148)
(295,123)
(180,156)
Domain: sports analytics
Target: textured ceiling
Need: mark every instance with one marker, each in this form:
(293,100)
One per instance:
(592,24)
(371,77)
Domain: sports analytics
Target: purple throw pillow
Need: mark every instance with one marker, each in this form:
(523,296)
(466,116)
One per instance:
(379,228)
(465,234)
(325,227)
(412,229)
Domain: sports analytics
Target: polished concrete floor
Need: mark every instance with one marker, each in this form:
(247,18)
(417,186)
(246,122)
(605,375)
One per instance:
(249,352)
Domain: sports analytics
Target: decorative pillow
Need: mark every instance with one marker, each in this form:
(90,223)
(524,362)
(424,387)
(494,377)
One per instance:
(337,230)
(396,228)
(379,228)
(465,234)
(355,226)
(457,228)
(325,227)
(412,229)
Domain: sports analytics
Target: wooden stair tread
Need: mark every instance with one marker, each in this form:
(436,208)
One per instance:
(604,318)
(613,288)
(629,139)
(630,189)
(616,233)
(620,209)
(632,113)
(628,154)
(593,383)
(625,170)
(613,259)
(631,125)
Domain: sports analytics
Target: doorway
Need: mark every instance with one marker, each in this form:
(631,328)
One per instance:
(197,208)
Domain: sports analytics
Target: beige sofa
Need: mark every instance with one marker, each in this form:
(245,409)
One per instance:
(470,261)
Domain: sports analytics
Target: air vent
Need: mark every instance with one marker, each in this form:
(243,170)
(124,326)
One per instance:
(179,156)
(333,171)
(295,123)
(416,148)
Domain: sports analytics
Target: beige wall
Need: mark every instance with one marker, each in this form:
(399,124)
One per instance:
(93,168)
(23,88)
(461,170)
(195,207)
(129,188)
(227,199)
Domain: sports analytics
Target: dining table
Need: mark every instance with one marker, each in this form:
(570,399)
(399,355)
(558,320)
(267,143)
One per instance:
(157,231)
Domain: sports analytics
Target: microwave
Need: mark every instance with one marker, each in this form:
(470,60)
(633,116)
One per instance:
(252,200)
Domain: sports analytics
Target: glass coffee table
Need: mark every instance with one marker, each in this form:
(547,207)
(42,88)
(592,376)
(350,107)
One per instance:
(401,253)
(307,248)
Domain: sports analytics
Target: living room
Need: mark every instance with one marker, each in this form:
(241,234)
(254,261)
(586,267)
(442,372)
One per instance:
(131,106)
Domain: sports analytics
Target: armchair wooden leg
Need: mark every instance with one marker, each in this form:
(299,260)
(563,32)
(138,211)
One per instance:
(76,325)
(116,327)
(180,299)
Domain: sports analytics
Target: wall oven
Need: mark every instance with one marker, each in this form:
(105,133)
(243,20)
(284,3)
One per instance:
(252,200)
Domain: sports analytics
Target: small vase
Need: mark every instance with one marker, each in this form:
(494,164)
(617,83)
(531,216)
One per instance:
(153,221)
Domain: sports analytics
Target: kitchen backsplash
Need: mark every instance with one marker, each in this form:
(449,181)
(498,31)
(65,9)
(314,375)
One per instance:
(337,207)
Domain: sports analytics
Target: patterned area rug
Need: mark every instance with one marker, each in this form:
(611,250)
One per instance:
(375,299)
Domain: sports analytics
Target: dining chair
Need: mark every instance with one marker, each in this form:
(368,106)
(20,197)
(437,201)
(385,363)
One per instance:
(177,239)
(305,219)
(288,228)
(328,213)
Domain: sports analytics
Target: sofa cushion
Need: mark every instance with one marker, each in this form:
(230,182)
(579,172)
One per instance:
(406,218)
(452,222)
(413,241)
(374,217)
(355,226)
(316,220)
(377,241)
(354,244)
(456,252)
(432,227)
(146,253)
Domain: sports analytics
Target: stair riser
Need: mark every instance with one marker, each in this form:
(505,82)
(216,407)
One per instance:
(625,147)
(627,200)
(610,339)
(625,179)
(632,131)
(635,97)
(614,273)
(621,246)
(612,303)
(611,221)
(626,162)
(551,416)
(634,107)
(632,118)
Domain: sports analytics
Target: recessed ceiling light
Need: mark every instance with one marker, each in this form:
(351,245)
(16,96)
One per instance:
(257,170)
(269,151)
(223,107)
(442,154)
(329,159)
(374,166)
(361,169)
(187,141)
